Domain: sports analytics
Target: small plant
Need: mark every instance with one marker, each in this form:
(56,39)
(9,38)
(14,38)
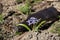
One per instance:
(39,25)
(1,18)
(24,8)
(35,27)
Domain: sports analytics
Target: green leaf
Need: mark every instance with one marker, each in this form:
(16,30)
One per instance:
(24,26)
(40,24)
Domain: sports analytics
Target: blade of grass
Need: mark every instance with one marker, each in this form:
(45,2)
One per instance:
(24,26)
(40,24)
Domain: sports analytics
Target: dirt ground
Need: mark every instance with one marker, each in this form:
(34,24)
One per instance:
(13,16)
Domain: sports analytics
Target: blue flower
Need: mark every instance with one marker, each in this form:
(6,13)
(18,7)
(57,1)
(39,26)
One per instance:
(32,20)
